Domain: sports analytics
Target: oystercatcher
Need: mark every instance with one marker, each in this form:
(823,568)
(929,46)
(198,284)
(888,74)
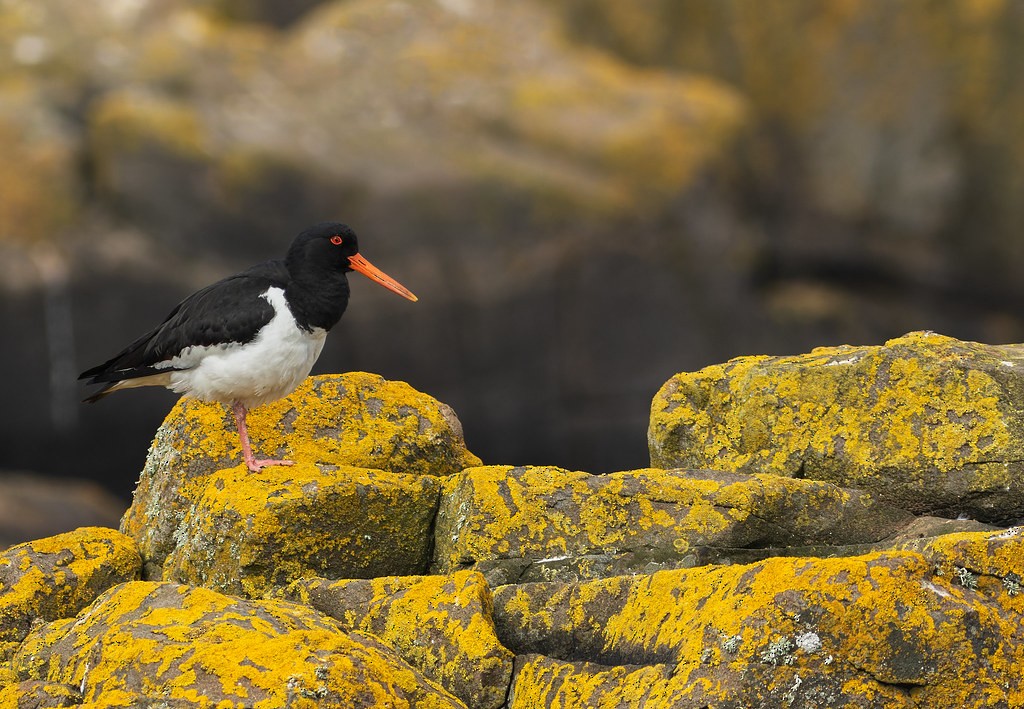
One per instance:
(251,338)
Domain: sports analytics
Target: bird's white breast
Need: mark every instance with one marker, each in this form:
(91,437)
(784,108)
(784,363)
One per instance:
(265,369)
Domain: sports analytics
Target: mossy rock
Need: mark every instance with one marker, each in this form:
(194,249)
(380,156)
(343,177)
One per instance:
(249,531)
(926,422)
(355,419)
(56,577)
(143,641)
(441,625)
(545,523)
(884,628)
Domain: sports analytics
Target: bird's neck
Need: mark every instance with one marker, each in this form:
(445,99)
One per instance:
(317,300)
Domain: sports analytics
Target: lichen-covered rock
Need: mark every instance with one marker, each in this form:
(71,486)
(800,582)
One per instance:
(916,535)
(7,650)
(545,523)
(925,422)
(542,682)
(58,576)
(880,628)
(441,625)
(988,562)
(149,641)
(249,531)
(34,694)
(353,419)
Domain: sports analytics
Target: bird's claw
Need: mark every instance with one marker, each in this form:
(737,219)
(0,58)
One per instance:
(256,465)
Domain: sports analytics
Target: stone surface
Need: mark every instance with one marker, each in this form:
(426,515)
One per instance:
(247,532)
(441,625)
(925,422)
(57,576)
(163,641)
(892,628)
(987,562)
(34,694)
(353,419)
(544,523)
(542,682)
(645,588)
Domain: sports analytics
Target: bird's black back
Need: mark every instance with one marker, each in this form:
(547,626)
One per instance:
(228,311)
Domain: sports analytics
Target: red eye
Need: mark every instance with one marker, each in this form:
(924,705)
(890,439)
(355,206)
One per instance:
(336,240)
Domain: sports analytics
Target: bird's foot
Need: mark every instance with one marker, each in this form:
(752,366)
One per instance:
(257,464)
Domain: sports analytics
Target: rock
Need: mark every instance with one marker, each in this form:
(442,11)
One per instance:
(928,527)
(987,562)
(548,682)
(246,532)
(926,422)
(544,523)
(34,506)
(799,632)
(353,419)
(920,530)
(145,641)
(34,694)
(441,625)
(57,576)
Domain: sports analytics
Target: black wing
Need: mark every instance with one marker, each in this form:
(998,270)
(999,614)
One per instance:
(230,310)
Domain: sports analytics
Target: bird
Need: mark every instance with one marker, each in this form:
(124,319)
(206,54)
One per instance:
(251,338)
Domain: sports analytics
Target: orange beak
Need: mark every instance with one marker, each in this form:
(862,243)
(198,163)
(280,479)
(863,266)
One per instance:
(366,268)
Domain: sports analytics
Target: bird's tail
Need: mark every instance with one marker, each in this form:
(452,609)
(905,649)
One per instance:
(108,389)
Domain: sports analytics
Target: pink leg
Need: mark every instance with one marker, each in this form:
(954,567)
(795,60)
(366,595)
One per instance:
(254,464)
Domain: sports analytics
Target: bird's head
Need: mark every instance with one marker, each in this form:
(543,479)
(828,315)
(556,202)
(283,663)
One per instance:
(335,246)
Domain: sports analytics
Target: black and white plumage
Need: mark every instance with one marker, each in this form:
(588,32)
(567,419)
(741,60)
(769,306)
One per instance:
(251,338)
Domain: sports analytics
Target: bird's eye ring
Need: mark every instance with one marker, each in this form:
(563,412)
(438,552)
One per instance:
(336,240)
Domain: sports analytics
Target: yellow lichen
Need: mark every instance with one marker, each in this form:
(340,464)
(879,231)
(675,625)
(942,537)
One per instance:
(439,624)
(548,514)
(354,419)
(57,576)
(201,646)
(594,513)
(249,531)
(922,404)
(546,682)
(884,618)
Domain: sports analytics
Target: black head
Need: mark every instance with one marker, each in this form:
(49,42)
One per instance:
(327,245)
(333,247)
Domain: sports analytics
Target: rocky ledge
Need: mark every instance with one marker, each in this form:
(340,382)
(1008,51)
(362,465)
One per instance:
(824,530)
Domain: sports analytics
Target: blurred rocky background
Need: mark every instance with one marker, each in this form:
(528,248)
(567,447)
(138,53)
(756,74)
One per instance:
(587,195)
